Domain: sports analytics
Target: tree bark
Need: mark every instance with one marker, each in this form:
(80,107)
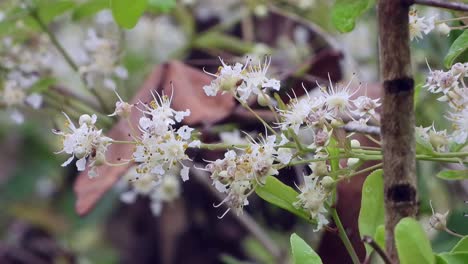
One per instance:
(397,130)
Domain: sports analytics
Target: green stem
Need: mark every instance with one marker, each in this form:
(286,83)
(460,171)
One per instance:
(43,26)
(344,237)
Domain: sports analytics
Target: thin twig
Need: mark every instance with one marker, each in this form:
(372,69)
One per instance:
(246,220)
(377,248)
(442,4)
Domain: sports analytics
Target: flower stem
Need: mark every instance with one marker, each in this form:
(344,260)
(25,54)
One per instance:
(344,237)
(55,42)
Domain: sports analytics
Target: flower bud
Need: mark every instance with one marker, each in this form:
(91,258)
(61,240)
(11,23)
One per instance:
(263,99)
(352,161)
(336,123)
(438,221)
(85,119)
(437,140)
(443,29)
(328,183)
(355,143)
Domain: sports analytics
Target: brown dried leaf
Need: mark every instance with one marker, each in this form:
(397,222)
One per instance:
(187,94)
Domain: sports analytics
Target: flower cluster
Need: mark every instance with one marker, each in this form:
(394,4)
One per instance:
(24,65)
(102,66)
(84,142)
(167,190)
(161,146)
(451,85)
(237,175)
(323,112)
(243,80)
(421,25)
(312,199)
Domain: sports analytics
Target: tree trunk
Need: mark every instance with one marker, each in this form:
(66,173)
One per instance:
(399,159)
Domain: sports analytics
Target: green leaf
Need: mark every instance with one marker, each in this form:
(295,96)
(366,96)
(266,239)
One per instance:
(459,46)
(302,253)
(127,12)
(412,244)
(161,6)
(440,260)
(90,8)
(345,12)
(281,195)
(379,236)
(49,10)
(462,245)
(453,175)
(455,258)
(372,206)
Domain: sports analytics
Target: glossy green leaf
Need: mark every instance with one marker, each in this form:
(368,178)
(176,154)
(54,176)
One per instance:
(453,174)
(461,246)
(412,243)
(455,258)
(372,206)
(303,253)
(459,46)
(127,12)
(345,12)
(90,8)
(281,195)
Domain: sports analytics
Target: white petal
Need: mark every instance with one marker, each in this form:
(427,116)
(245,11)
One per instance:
(128,197)
(156,207)
(284,155)
(194,144)
(34,100)
(81,164)
(158,170)
(184,173)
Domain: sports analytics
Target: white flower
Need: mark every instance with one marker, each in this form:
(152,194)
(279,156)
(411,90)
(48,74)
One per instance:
(158,189)
(419,25)
(228,78)
(160,146)
(365,106)
(297,112)
(103,66)
(311,199)
(237,175)
(83,142)
(14,95)
(159,115)
(338,98)
(256,80)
